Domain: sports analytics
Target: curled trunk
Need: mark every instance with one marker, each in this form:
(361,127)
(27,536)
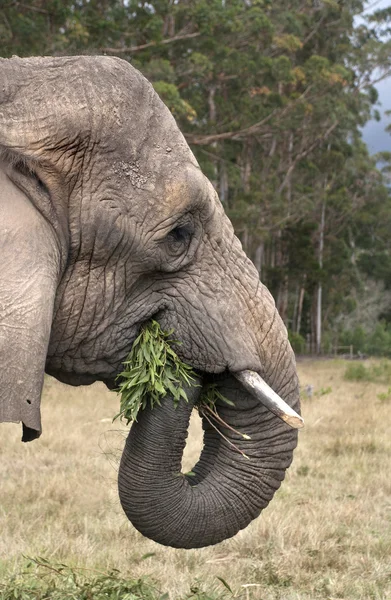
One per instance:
(226,489)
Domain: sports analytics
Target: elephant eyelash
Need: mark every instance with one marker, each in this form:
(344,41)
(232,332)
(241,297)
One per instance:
(29,173)
(178,240)
(180,234)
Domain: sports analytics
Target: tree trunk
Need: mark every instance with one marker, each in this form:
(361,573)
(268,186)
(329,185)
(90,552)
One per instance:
(258,258)
(283,299)
(289,181)
(246,165)
(300,307)
(245,240)
(319,294)
(223,182)
(212,120)
(295,307)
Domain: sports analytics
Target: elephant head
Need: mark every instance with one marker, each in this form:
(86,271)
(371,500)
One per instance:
(106,220)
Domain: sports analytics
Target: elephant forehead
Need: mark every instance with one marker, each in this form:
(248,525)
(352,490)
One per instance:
(172,188)
(103,105)
(133,174)
(183,189)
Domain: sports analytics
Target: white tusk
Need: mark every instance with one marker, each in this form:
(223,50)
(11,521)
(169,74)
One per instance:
(264,393)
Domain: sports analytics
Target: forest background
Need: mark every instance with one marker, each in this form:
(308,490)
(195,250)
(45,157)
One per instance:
(272,96)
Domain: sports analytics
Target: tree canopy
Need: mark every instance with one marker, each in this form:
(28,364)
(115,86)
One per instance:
(272,96)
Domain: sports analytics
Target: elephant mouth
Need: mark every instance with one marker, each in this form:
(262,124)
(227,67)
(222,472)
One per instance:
(111,383)
(74,379)
(250,380)
(253,383)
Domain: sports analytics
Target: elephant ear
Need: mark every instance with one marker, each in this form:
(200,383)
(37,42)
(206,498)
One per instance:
(55,109)
(31,255)
(42,113)
(56,114)
(29,272)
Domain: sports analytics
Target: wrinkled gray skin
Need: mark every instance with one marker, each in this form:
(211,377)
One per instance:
(105,221)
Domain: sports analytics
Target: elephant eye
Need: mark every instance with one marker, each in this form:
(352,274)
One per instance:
(178,240)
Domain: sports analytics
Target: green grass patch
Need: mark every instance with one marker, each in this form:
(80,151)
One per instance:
(357,372)
(42,580)
(323,391)
(385,396)
(375,373)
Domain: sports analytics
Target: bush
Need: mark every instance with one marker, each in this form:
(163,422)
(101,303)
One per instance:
(375,343)
(379,373)
(297,341)
(379,341)
(357,372)
(356,338)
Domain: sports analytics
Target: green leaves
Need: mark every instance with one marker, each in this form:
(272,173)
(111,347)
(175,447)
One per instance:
(152,370)
(286,89)
(44,580)
(41,579)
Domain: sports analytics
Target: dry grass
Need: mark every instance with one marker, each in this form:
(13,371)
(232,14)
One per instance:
(327,534)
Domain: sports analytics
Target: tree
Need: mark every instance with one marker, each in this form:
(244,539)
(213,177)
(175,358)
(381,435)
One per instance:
(271,95)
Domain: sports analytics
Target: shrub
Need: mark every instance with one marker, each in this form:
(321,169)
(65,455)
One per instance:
(379,341)
(357,372)
(356,338)
(375,343)
(381,372)
(297,341)
(378,373)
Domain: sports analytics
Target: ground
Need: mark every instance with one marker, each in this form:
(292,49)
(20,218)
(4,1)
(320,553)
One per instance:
(327,533)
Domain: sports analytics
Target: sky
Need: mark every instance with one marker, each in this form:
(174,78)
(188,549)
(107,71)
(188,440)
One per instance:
(374,132)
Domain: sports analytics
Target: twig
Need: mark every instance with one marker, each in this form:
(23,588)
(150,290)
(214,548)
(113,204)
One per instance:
(314,31)
(221,421)
(225,438)
(305,153)
(51,568)
(33,8)
(47,566)
(247,131)
(130,49)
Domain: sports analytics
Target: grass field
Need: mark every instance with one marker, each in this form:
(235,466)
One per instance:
(327,533)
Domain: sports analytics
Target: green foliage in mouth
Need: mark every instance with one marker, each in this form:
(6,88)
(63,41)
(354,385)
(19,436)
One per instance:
(153,370)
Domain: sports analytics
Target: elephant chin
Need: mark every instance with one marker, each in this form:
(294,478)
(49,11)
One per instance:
(76,379)
(234,479)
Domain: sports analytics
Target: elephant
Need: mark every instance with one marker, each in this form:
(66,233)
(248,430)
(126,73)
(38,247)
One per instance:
(107,221)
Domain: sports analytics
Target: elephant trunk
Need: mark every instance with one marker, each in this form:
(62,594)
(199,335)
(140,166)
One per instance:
(236,477)
(233,481)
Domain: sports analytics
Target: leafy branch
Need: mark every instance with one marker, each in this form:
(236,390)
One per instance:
(131,49)
(152,370)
